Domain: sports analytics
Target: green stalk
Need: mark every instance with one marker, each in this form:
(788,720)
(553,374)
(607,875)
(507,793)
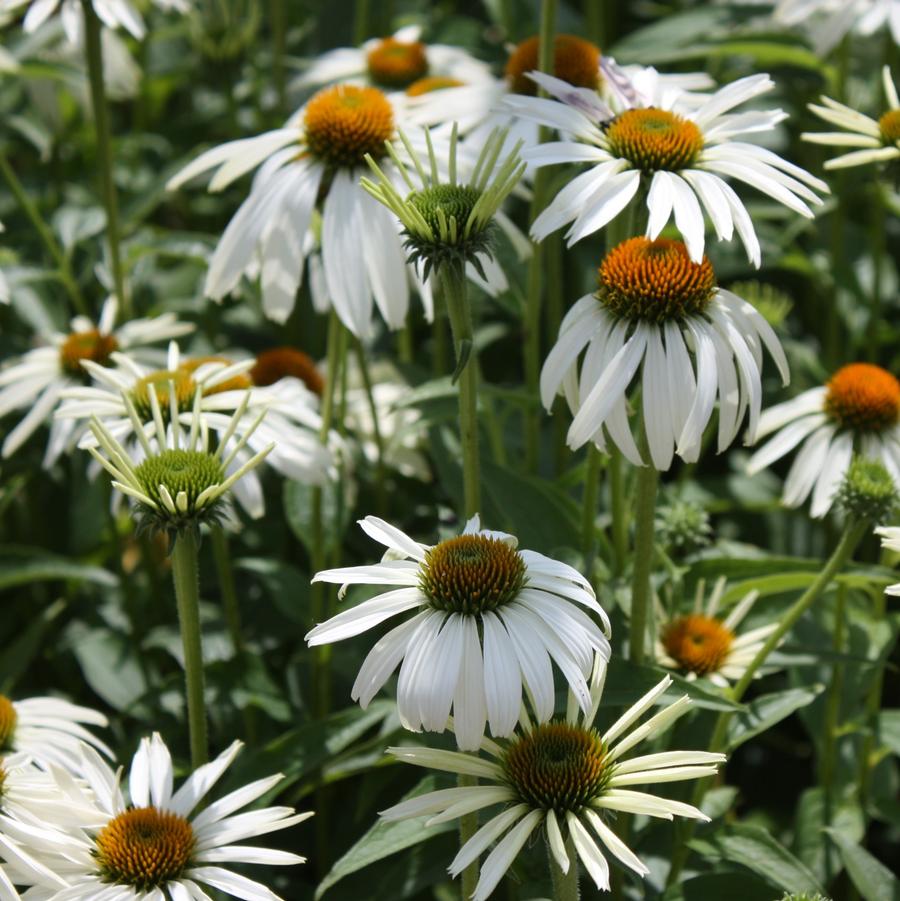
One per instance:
(453,280)
(532,319)
(361,23)
(873,707)
(45,234)
(593,21)
(565,885)
(94,53)
(225,572)
(877,239)
(641,594)
(832,720)
(185,574)
(618,510)
(380,477)
(279,48)
(589,508)
(850,539)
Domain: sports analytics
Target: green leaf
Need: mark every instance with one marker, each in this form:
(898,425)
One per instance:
(756,849)
(873,880)
(626,682)
(109,665)
(17,655)
(385,838)
(810,821)
(764,712)
(733,886)
(297,498)
(22,566)
(889,729)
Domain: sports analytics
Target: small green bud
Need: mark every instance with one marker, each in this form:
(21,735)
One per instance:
(868,491)
(682,526)
(803,896)
(773,304)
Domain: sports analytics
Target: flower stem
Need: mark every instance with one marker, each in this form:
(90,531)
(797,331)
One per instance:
(468,826)
(877,232)
(589,509)
(279,45)
(565,885)
(641,601)
(380,477)
(850,539)
(873,707)
(94,53)
(230,606)
(187,595)
(45,234)
(618,509)
(532,320)
(453,280)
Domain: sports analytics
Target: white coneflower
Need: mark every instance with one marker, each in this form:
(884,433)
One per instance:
(175,480)
(702,644)
(489,618)
(49,730)
(291,424)
(38,378)
(395,63)
(828,21)
(876,141)
(562,778)
(890,540)
(158,842)
(320,150)
(683,153)
(112,13)
(695,340)
(858,408)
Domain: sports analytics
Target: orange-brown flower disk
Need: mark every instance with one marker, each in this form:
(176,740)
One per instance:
(280,362)
(237,383)
(145,847)
(889,126)
(346,122)
(396,64)
(653,139)
(89,345)
(864,397)
(575,60)
(432,83)
(654,280)
(698,643)
(8,719)
(162,383)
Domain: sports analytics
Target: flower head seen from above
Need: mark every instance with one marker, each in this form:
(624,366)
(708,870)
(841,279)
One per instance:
(657,307)
(160,842)
(682,154)
(396,63)
(291,424)
(828,21)
(703,644)
(37,380)
(49,731)
(313,165)
(858,409)
(489,619)
(177,482)
(874,141)
(561,777)
(449,222)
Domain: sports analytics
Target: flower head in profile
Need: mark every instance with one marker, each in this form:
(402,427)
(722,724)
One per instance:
(705,644)
(828,21)
(176,481)
(489,619)
(399,62)
(35,382)
(447,221)
(561,778)
(158,842)
(873,141)
(49,731)
(312,166)
(858,409)
(658,309)
(682,153)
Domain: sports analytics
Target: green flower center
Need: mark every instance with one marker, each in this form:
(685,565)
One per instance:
(654,280)
(889,124)
(144,848)
(188,471)
(652,139)
(8,718)
(557,767)
(453,202)
(471,574)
